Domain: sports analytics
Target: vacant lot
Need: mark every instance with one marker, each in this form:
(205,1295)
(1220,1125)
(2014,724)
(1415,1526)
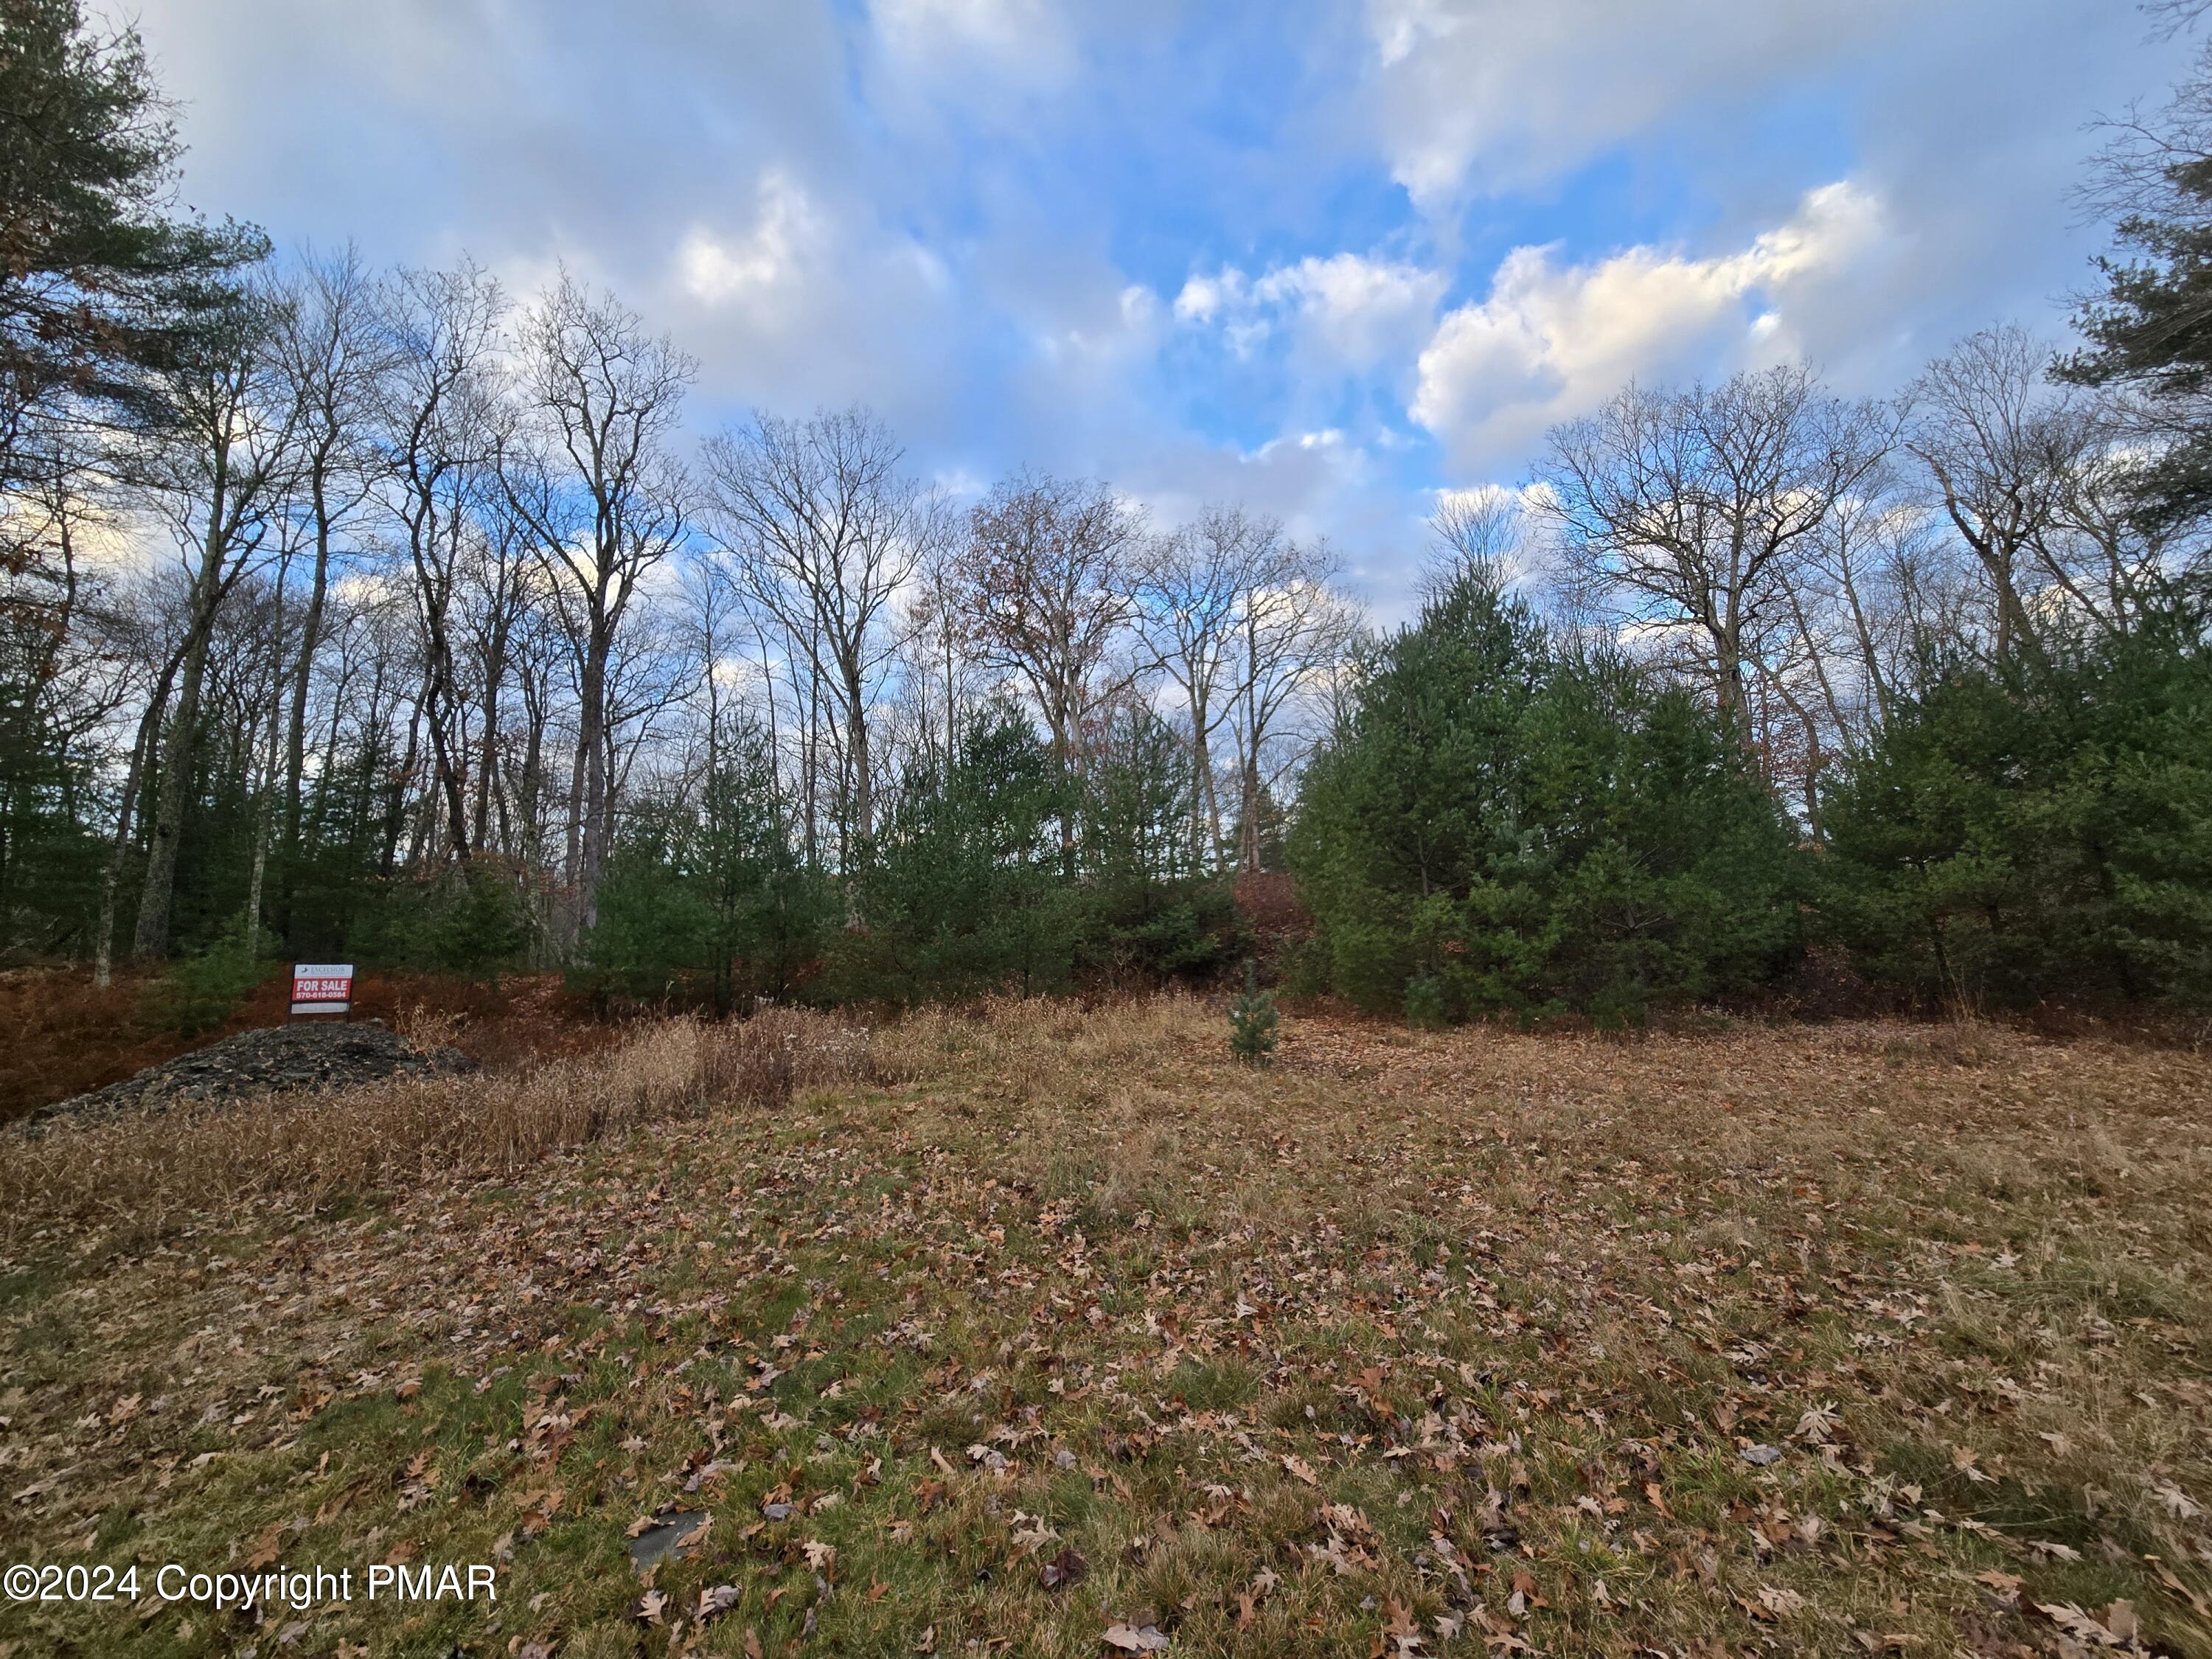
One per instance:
(1054,1333)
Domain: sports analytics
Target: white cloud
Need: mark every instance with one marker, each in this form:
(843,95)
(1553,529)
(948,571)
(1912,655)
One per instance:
(1350,310)
(939,206)
(1122,330)
(1204,298)
(767,265)
(1553,341)
(1022,40)
(1477,497)
(1486,94)
(810,300)
(1358,308)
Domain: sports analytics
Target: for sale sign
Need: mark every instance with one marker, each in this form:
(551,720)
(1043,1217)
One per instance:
(322,987)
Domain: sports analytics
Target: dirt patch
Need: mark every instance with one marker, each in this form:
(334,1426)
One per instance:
(273,1060)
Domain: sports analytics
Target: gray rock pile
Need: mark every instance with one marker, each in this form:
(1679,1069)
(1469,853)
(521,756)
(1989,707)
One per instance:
(272,1059)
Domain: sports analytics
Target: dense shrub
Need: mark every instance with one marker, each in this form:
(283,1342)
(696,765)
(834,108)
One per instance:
(467,919)
(1143,911)
(1497,825)
(704,899)
(2042,829)
(200,991)
(1000,872)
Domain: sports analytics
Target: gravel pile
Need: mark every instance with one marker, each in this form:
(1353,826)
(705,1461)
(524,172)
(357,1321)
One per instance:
(274,1059)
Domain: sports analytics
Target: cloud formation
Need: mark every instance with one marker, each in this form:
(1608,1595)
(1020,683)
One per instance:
(1550,341)
(1483,95)
(1350,309)
(1331,256)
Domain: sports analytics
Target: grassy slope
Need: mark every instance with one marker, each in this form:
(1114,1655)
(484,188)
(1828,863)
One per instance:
(1407,1344)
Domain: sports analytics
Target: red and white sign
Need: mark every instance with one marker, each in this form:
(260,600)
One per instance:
(322,987)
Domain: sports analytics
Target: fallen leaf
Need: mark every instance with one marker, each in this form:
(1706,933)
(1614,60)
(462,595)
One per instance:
(1130,1638)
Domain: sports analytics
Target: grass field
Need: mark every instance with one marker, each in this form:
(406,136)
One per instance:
(1054,1332)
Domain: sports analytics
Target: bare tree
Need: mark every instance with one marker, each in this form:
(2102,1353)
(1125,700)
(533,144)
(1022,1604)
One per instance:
(2139,171)
(1048,594)
(710,630)
(1292,629)
(1481,533)
(220,475)
(78,649)
(824,531)
(502,584)
(2101,552)
(1999,446)
(1191,594)
(439,425)
(1845,602)
(331,357)
(1685,508)
(942,683)
(590,475)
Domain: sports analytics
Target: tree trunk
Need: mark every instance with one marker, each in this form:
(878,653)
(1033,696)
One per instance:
(295,736)
(592,752)
(1201,778)
(488,764)
(395,801)
(150,724)
(151,938)
(856,729)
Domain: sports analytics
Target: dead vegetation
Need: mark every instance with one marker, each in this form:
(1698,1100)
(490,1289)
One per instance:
(144,1174)
(1053,1331)
(60,1035)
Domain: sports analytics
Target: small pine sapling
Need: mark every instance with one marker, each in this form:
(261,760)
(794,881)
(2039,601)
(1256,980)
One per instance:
(1252,1021)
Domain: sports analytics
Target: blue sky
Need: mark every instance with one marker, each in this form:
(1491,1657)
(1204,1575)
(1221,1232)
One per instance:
(1327,259)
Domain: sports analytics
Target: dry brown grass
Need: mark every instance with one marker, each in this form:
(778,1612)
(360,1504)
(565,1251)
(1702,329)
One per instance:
(1433,1344)
(142,1172)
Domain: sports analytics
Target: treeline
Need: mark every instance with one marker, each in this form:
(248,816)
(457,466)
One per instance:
(466,656)
(463,665)
(1515,817)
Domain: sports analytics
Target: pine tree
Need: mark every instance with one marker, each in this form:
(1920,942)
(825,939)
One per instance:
(2038,829)
(1252,1021)
(100,284)
(1499,824)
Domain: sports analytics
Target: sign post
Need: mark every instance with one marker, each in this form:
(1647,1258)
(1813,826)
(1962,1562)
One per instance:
(322,987)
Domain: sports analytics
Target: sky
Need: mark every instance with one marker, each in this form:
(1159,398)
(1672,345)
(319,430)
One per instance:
(1325,257)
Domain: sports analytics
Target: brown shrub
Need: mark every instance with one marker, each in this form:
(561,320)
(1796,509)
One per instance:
(1269,899)
(60,1035)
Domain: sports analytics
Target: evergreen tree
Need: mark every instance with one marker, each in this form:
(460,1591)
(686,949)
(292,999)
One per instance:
(2039,829)
(2150,330)
(1417,791)
(99,285)
(969,893)
(707,899)
(1253,1021)
(1497,827)
(1143,909)
(50,863)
